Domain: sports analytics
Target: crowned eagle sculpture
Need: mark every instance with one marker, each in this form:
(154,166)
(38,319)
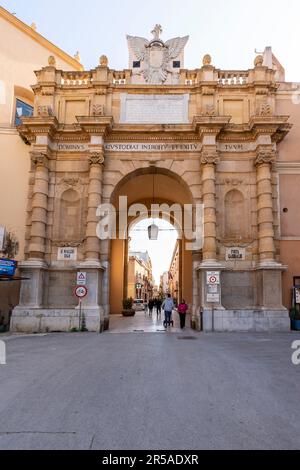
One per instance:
(156,56)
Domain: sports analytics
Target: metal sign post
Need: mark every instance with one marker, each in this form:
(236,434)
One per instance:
(80,306)
(80,292)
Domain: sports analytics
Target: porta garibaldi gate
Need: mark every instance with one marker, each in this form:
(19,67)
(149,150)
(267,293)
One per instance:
(210,140)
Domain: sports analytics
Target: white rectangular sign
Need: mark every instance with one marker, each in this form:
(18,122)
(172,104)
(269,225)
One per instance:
(81,279)
(297,291)
(213,298)
(67,254)
(154,109)
(235,254)
(2,237)
(212,289)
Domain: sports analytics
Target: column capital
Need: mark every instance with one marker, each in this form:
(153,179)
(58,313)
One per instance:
(39,159)
(265,157)
(209,157)
(96,158)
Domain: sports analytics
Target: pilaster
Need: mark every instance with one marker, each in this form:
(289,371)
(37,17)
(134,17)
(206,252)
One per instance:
(37,244)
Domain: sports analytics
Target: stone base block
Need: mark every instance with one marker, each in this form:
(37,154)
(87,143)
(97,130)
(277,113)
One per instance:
(246,321)
(48,320)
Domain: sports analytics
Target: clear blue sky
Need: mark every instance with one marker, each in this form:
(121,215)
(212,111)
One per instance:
(228,30)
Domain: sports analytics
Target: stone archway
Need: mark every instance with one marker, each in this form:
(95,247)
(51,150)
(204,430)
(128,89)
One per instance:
(170,189)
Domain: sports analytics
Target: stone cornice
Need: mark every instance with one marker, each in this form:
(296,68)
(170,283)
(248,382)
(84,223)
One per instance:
(275,126)
(97,125)
(33,126)
(288,168)
(210,125)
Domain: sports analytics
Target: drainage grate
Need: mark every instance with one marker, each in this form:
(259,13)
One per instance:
(187,337)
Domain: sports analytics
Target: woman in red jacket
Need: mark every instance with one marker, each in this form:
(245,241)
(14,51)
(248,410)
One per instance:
(182,309)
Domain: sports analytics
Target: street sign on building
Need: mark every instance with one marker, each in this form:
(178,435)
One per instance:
(213,278)
(8,267)
(67,254)
(81,292)
(297,295)
(235,254)
(213,298)
(81,279)
(2,238)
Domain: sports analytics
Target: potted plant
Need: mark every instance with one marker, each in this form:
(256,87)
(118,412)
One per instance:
(128,311)
(295,319)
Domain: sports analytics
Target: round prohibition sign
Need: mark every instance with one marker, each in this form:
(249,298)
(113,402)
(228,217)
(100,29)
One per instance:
(213,280)
(81,292)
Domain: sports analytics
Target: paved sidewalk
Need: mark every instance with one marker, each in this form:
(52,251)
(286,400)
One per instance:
(150,391)
(143,323)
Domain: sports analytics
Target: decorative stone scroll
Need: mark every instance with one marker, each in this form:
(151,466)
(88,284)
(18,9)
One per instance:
(45,111)
(96,158)
(265,157)
(39,159)
(210,157)
(209,110)
(98,110)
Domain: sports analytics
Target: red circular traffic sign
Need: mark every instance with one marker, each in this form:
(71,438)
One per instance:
(81,292)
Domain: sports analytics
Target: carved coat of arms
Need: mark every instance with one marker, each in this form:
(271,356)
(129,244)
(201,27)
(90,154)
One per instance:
(156,56)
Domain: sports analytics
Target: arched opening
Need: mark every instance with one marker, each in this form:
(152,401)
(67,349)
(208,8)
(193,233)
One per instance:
(150,186)
(153,265)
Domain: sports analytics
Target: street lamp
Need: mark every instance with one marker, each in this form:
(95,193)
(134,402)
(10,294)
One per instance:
(153,229)
(153,232)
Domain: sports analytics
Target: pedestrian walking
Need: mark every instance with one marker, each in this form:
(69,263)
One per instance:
(168,306)
(158,304)
(150,307)
(182,310)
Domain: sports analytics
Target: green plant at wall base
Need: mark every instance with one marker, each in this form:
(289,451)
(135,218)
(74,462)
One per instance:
(83,327)
(127,304)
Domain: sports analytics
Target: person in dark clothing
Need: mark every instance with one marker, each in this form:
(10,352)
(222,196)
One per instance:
(158,304)
(150,306)
(182,309)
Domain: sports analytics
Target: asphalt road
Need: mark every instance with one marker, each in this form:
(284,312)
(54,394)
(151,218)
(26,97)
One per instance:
(150,391)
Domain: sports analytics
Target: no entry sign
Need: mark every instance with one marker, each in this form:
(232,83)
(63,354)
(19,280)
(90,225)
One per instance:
(81,292)
(213,278)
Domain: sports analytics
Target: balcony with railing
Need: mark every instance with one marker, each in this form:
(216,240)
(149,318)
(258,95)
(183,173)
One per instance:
(76,79)
(233,77)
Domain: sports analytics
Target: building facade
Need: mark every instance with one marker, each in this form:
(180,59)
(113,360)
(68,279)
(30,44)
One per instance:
(22,51)
(164,284)
(174,282)
(227,141)
(140,282)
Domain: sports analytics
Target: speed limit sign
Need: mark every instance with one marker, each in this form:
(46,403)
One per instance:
(81,292)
